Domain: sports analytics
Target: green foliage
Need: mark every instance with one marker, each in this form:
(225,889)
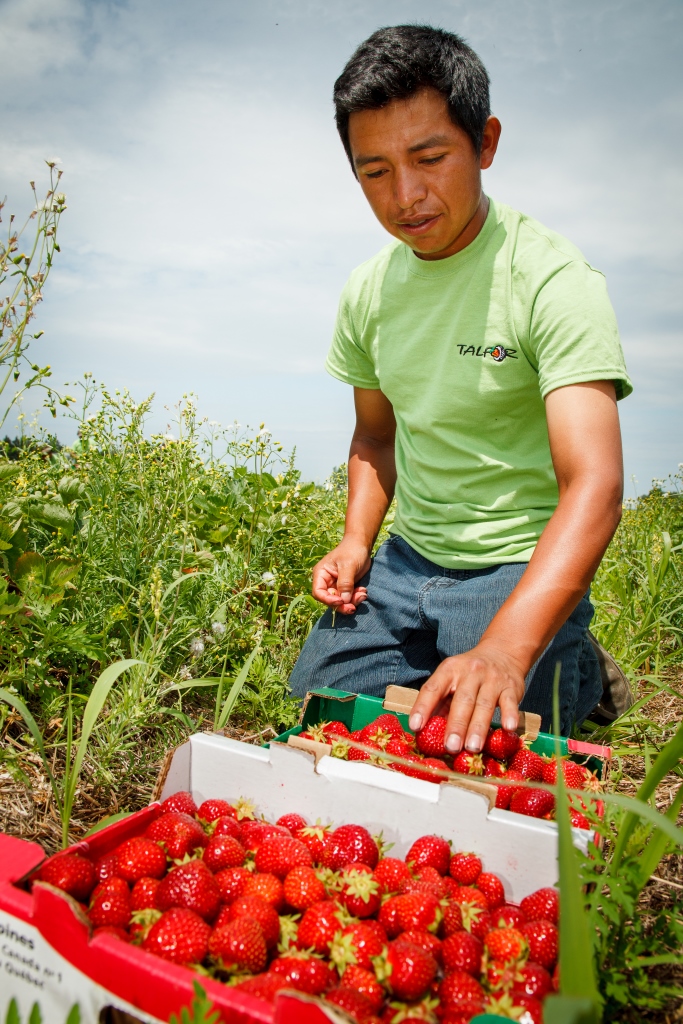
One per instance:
(35,1016)
(201,1010)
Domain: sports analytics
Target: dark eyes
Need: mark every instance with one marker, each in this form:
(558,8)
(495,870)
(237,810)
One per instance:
(429,160)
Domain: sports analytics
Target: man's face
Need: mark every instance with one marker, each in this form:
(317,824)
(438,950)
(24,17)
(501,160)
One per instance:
(420,172)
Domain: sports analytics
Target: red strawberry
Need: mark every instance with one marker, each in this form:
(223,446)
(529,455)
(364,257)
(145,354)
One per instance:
(179,935)
(365,982)
(462,1013)
(231,883)
(509,916)
(352,1002)
(354,754)
(462,952)
(110,929)
(502,744)
(452,887)
(468,764)
(542,937)
(425,940)
(542,905)
(432,851)
(388,916)
(506,792)
(506,945)
(452,919)
(465,868)
(493,769)
(430,740)
(212,810)
(532,1009)
(254,833)
(314,836)
(192,886)
(277,856)
(428,880)
(356,944)
(468,895)
(360,893)
(579,820)
(432,767)
(536,803)
(292,821)
(105,867)
(390,873)
(267,887)
(257,909)
(143,895)
(349,844)
(533,980)
(477,922)
(356,735)
(503,797)
(224,852)
(460,987)
(492,888)
(500,975)
(318,927)
(304,973)
(110,904)
(418,910)
(303,888)
(181,802)
(239,946)
(140,858)
(178,833)
(399,747)
(263,986)
(71,873)
(415,770)
(226,826)
(384,728)
(406,969)
(529,763)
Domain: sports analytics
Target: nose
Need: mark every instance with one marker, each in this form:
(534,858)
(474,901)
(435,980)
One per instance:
(409,187)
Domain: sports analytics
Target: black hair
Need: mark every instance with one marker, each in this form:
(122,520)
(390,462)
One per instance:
(395,62)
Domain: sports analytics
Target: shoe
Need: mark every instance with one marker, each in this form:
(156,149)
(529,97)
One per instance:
(617,695)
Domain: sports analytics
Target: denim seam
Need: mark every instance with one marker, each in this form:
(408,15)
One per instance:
(424,590)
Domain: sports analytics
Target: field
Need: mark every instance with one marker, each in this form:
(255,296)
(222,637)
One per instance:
(154,586)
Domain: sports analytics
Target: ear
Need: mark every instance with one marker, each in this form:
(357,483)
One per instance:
(489,143)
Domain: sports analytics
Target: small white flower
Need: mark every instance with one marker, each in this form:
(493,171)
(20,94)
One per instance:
(218,628)
(184,673)
(169,437)
(268,578)
(284,504)
(283,520)
(53,160)
(197,648)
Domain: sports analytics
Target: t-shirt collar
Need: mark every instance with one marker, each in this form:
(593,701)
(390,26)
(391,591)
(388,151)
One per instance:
(450,264)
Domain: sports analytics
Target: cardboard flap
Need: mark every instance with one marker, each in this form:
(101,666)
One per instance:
(529,725)
(485,789)
(310,746)
(400,699)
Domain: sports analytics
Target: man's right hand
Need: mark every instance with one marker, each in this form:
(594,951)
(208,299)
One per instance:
(335,575)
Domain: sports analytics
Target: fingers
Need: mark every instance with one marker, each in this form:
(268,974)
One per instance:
(324,579)
(430,696)
(470,716)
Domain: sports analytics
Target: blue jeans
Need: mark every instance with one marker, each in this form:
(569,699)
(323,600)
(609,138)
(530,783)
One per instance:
(418,613)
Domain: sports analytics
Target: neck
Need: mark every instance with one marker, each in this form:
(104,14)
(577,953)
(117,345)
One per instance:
(466,236)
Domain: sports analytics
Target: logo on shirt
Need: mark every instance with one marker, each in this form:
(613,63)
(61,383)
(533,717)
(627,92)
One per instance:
(497,352)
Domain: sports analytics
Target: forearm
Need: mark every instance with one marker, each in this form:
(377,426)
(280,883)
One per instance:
(372,479)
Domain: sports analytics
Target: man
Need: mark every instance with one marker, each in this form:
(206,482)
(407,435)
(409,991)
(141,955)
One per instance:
(486,366)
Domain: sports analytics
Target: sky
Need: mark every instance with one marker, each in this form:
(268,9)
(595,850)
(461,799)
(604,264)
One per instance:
(212,217)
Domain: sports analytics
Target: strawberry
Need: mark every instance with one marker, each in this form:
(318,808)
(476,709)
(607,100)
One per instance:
(463,1012)
(542,905)
(225,826)
(579,820)
(239,946)
(430,740)
(292,821)
(535,803)
(529,763)
(556,978)
(432,767)
(503,797)
(143,895)
(71,873)
(314,836)
(179,935)
(425,940)
(477,922)
(382,729)
(192,886)
(263,986)
(532,1008)
(418,910)
(465,868)
(506,945)
(304,973)
(257,909)
(224,852)
(178,833)
(181,802)
(493,769)
(399,748)
(110,929)
(390,873)
(277,856)
(356,944)
(459,987)
(365,982)
(462,952)
(267,887)
(468,764)
(407,970)
(509,916)
(105,867)
(501,744)
(303,888)
(451,886)
(388,916)
(492,888)
(532,980)
(352,1002)
(212,810)
(506,792)
(415,770)
(452,919)
(326,732)
(469,895)
(318,926)
(140,858)
(110,904)
(253,833)
(360,893)
(349,844)
(427,879)
(499,975)
(542,937)
(354,754)
(231,883)
(432,851)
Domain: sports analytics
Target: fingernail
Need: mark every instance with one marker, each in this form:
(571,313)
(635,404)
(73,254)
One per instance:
(473,744)
(415,722)
(346,597)
(453,743)
(509,724)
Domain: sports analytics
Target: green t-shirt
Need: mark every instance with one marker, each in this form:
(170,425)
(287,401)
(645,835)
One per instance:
(466,349)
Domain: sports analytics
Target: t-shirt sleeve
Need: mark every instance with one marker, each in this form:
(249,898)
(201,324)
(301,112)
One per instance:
(347,360)
(573,334)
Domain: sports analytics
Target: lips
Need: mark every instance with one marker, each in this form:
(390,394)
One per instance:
(418,225)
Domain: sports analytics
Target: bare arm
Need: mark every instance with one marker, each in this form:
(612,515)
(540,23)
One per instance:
(585,443)
(372,477)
